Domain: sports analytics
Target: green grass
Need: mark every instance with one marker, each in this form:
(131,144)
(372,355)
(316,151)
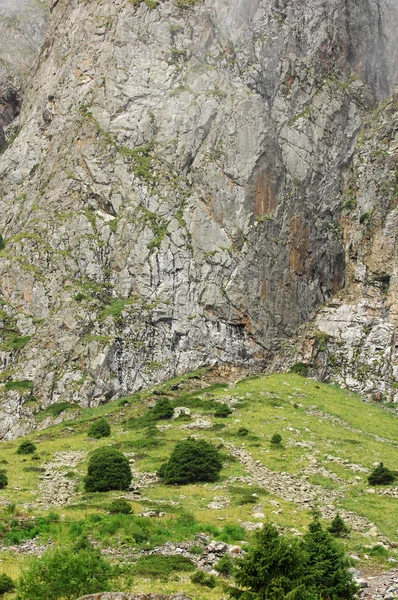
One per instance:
(330,421)
(21,386)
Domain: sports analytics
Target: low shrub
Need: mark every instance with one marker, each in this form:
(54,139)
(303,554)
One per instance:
(66,574)
(54,410)
(6,584)
(276,439)
(99,429)
(161,567)
(201,578)
(247,498)
(120,506)
(3,479)
(381,476)
(225,565)
(162,410)
(26,447)
(242,432)
(222,411)
(299,368)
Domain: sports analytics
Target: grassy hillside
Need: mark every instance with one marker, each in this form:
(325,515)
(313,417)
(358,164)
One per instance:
(330,440)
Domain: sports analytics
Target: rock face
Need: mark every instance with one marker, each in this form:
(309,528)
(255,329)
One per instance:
(22,24)
(353,338)
(175,194)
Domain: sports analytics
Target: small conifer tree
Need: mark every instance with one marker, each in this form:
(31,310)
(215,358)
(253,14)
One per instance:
(381,476)
(100,429)
(6,584)
(337,527)
(108,469)
(3,479)
(26,447)
(190,461)
(162,410)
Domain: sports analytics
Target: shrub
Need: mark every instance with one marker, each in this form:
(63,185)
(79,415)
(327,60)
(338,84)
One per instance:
(300,369)
(26,447)
(223,411)
(100,429)
(191,461)
(162,410)
(242,432)
(108,469)
(225,565)
(3,479)
(6,584)
(66,574)
(201,578)
(120,506)
(337,527)
(381,476)
(2,242)
(276,439)
(156,565)
(247,498)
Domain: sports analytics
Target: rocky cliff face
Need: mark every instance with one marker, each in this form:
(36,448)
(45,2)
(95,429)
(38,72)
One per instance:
(353,338)
(177,193)
(22,25)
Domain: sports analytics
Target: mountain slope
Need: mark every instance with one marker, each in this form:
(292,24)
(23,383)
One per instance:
(174,195)
(330,440)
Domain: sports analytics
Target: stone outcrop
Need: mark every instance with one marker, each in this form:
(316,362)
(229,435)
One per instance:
(176,194)
(353,339)
(22,25)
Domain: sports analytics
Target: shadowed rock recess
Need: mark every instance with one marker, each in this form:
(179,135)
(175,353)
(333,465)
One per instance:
(176,193)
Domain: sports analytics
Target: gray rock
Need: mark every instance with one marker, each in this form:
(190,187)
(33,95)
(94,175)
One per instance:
(174,195)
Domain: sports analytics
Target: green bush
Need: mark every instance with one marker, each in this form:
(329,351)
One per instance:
(190,461)
(276,439)
(222,411)
(54,410)
(381,476)
(3,479)
(108,469)
(162,410)
(6,584)
(337,527)
(66,574)
(246,498)
(225,565)
(300,369)
(100,429)
(242,432)
(201,578)
(158,566)
(2,242)
(120,507)
(26,447)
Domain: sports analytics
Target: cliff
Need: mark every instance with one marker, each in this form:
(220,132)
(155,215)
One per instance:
(177,192)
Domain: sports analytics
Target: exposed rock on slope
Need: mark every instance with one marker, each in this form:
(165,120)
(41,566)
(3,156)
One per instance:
(353,338)
(174,196)
(22,24)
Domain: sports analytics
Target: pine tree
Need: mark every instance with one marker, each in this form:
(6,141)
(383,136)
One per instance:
(272,569)
(326,567)
(337,527)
